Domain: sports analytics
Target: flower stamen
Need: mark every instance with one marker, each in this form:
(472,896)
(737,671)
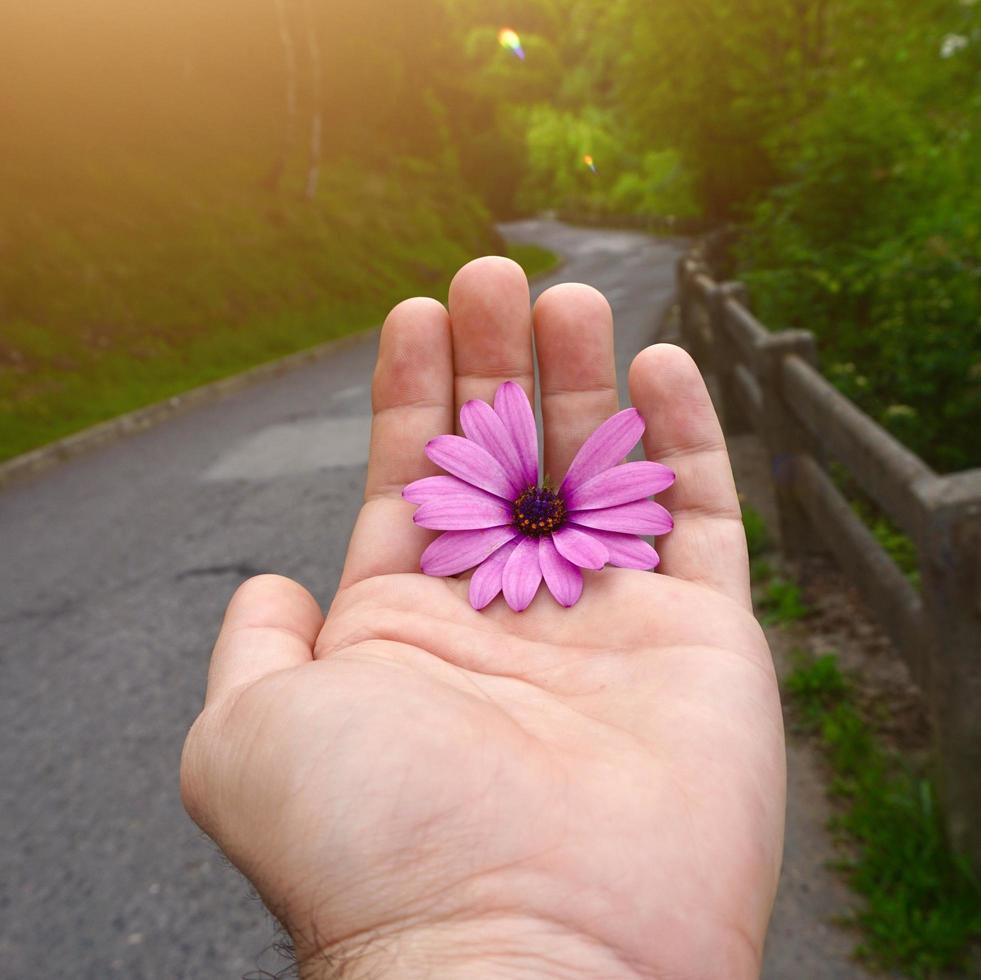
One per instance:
(538,511)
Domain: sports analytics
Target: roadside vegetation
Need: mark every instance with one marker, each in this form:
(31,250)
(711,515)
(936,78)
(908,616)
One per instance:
(897,545)
(165,219)
(920,910)
(921,904)
(110,333)
(836,139)
(187,188)
(114,321)
(535,260)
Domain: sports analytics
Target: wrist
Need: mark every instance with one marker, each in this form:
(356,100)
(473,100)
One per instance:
(509,947)
(506,947)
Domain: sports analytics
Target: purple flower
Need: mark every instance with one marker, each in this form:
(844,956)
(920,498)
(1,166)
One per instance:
(495,513)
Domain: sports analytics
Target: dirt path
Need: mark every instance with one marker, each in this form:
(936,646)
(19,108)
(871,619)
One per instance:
(804,941)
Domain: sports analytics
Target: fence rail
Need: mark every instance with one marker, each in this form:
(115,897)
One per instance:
(769,383)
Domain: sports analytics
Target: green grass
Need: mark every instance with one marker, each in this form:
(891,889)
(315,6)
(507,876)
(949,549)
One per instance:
(101,317)
(921,904)
(921,908)
(816,687)
(781,602)
(534,259)
(130,290)
(757,537)
(778,599)
(758,544)
(897,545)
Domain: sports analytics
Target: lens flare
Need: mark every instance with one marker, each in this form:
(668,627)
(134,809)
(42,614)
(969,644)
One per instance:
(588,160)
(509,39)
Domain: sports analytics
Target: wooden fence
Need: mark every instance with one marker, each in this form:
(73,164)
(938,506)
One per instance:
(769,383)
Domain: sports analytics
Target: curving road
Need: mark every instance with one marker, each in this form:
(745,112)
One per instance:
(115,569)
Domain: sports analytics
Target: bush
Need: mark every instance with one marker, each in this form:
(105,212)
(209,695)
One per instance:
(872,244)
(652,184)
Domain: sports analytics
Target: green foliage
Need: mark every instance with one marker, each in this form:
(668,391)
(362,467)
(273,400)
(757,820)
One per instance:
(872,243)
(652,184)
(155,232)
(486,89)
(757,536)
(557,141)
(150,176)
(897,545)
(816,686)
(871,233)
(712,82)
(782,602)
(657,186)
(922,905)
(103,321)
(842,136)
(535,260)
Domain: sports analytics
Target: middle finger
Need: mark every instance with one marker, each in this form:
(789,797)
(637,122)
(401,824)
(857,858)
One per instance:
(490,315)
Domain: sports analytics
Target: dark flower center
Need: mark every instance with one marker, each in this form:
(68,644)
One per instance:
(538,511)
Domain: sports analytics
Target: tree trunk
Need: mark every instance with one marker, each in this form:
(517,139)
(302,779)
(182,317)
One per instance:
(289,119)
(316,118)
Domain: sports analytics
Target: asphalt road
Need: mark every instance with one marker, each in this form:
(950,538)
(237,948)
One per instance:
(114,571)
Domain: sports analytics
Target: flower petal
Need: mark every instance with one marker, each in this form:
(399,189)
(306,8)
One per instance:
(512,405)
(639,517)
(456,551)
(564,580)
(456,512)
(469,462)
(522,575)
(620,485)
(434,487)
(604,448)
(627,550)
(482,425)
(581,547)
(487,581)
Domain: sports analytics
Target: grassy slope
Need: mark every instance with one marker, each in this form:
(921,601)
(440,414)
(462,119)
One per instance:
(535,260)
(107,308)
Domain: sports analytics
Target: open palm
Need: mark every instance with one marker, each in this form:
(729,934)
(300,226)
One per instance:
(418,789)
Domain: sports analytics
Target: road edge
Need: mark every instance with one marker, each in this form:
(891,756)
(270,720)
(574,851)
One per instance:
(61,450)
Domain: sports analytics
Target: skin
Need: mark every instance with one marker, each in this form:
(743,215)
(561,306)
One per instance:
(417,789)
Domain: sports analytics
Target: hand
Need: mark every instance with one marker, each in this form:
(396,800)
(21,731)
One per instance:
(417,789)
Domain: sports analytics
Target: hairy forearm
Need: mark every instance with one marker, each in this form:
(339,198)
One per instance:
(506,948)
(510,947)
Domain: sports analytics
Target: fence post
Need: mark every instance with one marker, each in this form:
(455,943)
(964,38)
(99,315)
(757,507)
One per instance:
(683,273)
(785,439)
(727,357)
(950,570)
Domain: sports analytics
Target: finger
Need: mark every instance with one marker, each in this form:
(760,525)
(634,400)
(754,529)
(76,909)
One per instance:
(412,399)
(576,370)
(270,625)
(708,544)
(490,313)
